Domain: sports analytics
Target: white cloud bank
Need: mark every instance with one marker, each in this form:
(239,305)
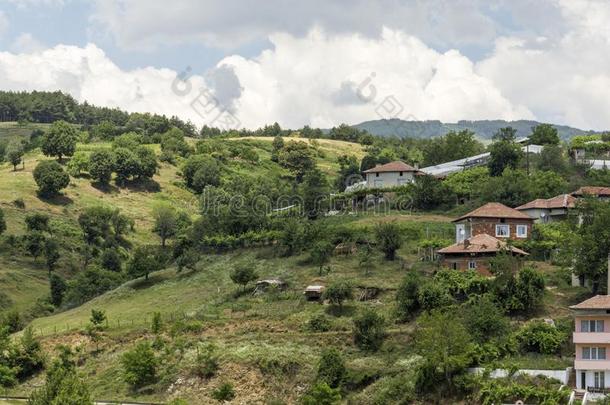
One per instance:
(324,78)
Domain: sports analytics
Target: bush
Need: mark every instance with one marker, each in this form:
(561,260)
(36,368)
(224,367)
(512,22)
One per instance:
(331,368)
(321,394)
(338,292)
(50,178)
(206,363)
(140,365)
(319,323)
(369,330)
(389,238)
(540,337)
(242,275)
(224,392)
(432,295)
(407,296)
(484,319)
(101,165)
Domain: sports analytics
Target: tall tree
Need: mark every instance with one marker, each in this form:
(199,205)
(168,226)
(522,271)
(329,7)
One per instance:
(504,152)
(166,223)
(60,140)
(315,193)
(389,238)
(101,165)
(544,134)
(50,178)
(14,154)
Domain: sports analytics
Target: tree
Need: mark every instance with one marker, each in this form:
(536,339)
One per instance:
(101,165)
(2,222)
(467,183)
(485,319)
(51,253)
(37,222)
(50,178)
(444,343)
(407,301)
(95,224)
(512,188)
(331,368)
(63,385)
(35,243)
(298,158)
(552,158)
(78,164)
(58,289)
(148,164)
(321,253)
(200,171)
(539,337)
(60,140)
(110,259)
(338,292)
(143,262)
(429,192)
(278,144)
(97,319)
(451,146)
(389,238)
(14,154)
(166,224)
(140,365)
(126,165)
(369,330)
(365,258)
(349,172)
(504,152)
(242,275)
(315,193)
(544,134)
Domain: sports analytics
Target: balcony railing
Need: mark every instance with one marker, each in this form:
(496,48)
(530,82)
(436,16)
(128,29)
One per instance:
(598,390)
(602,365)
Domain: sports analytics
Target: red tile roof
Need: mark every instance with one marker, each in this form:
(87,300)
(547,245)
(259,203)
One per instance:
(481,243)
(560,201)
(593,191)
(597,302)
(397,166)
(494,210)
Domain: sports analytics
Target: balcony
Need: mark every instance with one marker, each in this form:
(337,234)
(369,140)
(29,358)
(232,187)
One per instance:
(592,365)
(592,337)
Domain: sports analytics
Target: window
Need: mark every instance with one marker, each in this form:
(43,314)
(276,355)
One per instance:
(521,231)
(400,174)
(599,379)
(591,325)
(472,265)
(376,174)
(594,353)
(503,231)
(454,265)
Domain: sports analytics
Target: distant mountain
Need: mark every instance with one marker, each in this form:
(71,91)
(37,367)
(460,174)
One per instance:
(484,129)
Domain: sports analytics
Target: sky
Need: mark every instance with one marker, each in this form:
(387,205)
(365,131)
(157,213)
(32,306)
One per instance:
(247,63)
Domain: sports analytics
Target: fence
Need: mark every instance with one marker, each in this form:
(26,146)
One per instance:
(561,375)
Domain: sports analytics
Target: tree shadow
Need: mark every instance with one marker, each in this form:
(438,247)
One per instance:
(105,188)
(58,199)
(337,311)
(143,283)
(143,185)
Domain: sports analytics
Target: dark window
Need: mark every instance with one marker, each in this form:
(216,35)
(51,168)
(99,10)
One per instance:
(400,173)
(454,266)
(376,174)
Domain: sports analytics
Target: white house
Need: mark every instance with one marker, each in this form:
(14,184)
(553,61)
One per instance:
(549,210)
(391,174)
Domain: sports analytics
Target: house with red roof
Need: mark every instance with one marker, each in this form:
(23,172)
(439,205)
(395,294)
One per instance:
(391,174)
(483,233)
(550,209)
(592,191)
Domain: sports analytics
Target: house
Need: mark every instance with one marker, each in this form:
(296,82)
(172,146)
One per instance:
(550,209)
(592,343)
(475,252)
(496,220)
(391,174)
(592,191)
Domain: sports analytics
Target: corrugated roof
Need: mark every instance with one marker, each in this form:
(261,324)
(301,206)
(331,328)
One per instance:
(593,191)
(560,201)
(397,166)
(481,243)
(597,302)
(494,210)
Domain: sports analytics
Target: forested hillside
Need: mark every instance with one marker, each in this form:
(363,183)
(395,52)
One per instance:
(130,253)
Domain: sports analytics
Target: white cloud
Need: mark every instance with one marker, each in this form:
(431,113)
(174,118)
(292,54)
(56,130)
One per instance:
(4,24)
(146,24)
(564,79)
(26,43)
(295,83)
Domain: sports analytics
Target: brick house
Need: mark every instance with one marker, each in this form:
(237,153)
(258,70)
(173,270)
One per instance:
(590,191)
(475,252)
(496,220)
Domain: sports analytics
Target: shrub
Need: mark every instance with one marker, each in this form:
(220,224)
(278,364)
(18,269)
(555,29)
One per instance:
(432,295)
(206,363)
(319,323)
(369,330)
(156,323)
(224,392)
(78,164)
(389,238)
(407,296)
(101,165)
(484,319)
(540,337)
(338,292)
(140,365)
(242,275)
(50,177)
(331,368)
(321,394)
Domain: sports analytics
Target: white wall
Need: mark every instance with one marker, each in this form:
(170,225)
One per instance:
(590,378)
(561,375)
(388,179)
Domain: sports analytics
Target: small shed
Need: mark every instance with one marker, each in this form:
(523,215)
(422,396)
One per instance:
(314,292)
(345,249)
(264,285)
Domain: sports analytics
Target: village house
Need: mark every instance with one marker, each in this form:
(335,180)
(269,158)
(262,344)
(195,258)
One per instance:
(592,343)
(391,174)
(496,220)
(550,209)
(475,253)
(591,191)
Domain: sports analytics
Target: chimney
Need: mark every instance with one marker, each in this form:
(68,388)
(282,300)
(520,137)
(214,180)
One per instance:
(467,244)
